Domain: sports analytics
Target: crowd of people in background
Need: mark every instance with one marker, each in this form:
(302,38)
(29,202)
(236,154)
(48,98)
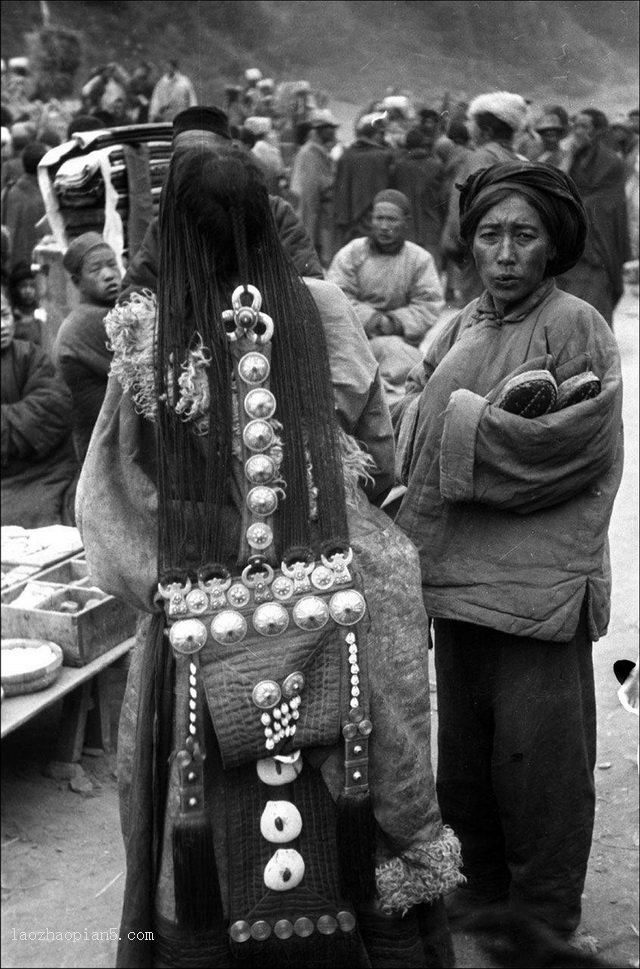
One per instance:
(378,209)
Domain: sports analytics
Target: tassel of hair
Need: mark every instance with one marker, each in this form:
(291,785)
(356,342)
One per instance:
(197,891)
(356,835)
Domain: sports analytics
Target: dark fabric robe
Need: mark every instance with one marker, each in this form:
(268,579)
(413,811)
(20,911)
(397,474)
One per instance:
(80,352)
(363,170)
(600,177)
(38,463)
(420,175)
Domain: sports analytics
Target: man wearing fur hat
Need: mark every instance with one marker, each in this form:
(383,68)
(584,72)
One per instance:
(494,121)
(80,350)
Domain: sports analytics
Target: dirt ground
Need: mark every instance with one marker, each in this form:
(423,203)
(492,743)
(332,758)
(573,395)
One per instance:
(62,854)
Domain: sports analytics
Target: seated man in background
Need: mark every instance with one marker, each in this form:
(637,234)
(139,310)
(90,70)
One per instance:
(394,287)
(80,349)
(36,454)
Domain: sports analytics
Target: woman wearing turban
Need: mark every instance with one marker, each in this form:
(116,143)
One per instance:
(514,457)
(278,804)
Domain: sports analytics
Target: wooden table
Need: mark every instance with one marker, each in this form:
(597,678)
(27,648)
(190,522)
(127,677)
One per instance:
(81,688)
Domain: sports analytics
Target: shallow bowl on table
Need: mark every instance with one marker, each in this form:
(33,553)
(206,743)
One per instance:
(31,679)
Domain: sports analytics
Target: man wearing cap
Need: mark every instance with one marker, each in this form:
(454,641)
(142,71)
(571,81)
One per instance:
(312,180)
(494,121)
(210,126)
(80,349)
(551,131)
(362,171)
(393,286)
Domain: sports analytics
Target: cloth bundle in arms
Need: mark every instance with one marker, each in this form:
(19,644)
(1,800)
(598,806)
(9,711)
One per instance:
(288,616)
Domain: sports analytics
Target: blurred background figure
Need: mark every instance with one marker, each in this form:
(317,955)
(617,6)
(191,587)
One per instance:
(28,315)
(173,93)
(600,177)
(140,92)
(551,129)
(266,151)
(23,206)
(312,182)
(22,133)
(362,171)
(419,174)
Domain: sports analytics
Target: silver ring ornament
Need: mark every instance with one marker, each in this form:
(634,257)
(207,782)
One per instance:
(252,577)
(338,559)
(238,293)
(171,589)
(215,584)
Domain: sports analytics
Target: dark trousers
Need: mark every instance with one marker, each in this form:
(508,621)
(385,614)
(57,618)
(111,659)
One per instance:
(516,754)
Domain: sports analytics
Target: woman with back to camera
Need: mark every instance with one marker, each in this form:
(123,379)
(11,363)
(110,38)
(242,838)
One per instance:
(514,457)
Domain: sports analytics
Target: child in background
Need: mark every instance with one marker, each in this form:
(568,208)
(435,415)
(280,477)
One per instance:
(29,316)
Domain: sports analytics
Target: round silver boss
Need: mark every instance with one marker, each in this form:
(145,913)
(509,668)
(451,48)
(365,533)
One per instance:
(259,469)
(260,403)
(238,595)
(188,635)
(270,619)
(228,627)
(293,684)
(262,500)
(311,612)
(254,368)
(258,435)
(266,694)
(347,607)
(259,536)
(197,601)
(282,588)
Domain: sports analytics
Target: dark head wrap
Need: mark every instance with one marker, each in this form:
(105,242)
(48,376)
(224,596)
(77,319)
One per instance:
(552,194)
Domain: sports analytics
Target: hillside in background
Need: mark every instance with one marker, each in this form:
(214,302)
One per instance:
(571,52)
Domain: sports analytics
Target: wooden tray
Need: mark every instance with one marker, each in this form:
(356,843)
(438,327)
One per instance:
(100,622)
